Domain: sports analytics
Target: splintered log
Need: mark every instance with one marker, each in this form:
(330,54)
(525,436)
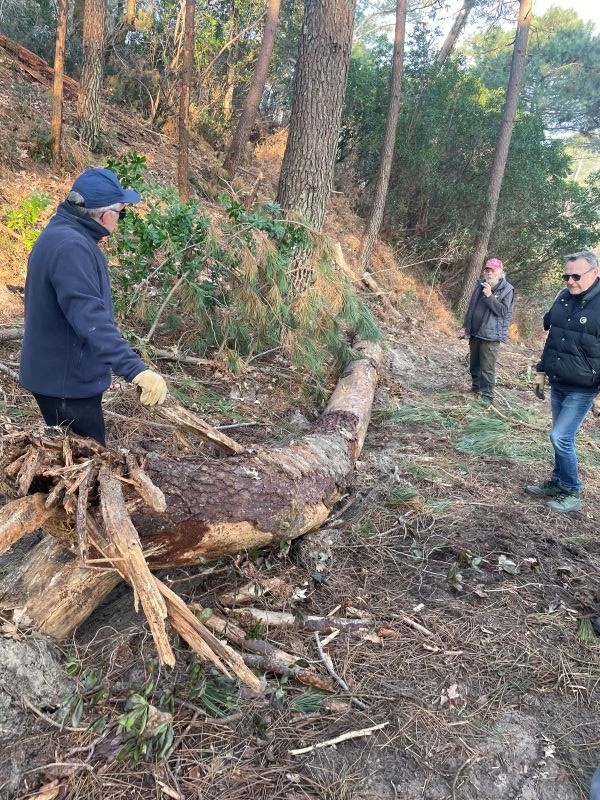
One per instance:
(214,507)
(36,67)
(24,515)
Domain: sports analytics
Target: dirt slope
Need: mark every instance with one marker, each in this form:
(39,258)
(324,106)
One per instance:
(491,694)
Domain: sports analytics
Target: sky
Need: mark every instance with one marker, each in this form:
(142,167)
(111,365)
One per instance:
(588,10)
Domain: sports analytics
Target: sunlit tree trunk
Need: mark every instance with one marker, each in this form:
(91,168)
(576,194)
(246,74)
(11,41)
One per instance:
(255,90)
(501,154)
(130,14)
(57,82)
(231,62)
(184,101)
(457,27)
(389,140)
(92,72)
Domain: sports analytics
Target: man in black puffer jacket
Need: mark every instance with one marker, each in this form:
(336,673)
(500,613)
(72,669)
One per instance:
(486,325)
(571,362)
(71,343)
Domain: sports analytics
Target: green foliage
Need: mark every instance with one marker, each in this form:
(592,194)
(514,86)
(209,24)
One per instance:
(213,692)
(447,132)
(229,284)
(400,496)
(23,219)
(307,702)
(560,82)
(420,412)
(141,740)
(487,436)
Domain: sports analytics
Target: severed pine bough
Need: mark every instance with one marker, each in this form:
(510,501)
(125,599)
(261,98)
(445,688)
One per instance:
(123,516)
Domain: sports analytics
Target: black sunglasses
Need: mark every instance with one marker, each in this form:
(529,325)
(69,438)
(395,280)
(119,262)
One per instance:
(123,212)
(576,275)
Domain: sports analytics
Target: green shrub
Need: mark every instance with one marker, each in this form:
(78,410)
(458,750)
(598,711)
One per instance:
(228,281)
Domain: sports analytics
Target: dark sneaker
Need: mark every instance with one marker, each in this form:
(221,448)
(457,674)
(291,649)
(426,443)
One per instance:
(567,500)
(487,401)
(549,488)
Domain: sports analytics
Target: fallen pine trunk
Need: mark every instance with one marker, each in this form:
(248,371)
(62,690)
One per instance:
(213,507)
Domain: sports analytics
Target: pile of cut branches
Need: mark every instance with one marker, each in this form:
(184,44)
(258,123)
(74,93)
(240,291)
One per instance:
(89,492)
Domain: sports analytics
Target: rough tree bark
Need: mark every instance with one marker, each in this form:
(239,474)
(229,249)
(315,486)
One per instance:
(213,508)
(88,107)
(184,101)
(500,155)
(319,87)
(58,82)
(389,140)
(255,90)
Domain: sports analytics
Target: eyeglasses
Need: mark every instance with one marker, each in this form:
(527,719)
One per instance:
(576,276)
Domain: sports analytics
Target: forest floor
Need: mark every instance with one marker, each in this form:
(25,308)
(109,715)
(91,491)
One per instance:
(480,668)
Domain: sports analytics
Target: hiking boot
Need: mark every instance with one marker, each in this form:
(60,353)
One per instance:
(549,488)
(567,500)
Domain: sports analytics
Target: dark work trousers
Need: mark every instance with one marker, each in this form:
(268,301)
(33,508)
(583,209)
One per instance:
(482,365)
(83,415)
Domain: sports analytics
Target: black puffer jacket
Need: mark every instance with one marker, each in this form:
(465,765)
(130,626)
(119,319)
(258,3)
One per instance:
(571,356)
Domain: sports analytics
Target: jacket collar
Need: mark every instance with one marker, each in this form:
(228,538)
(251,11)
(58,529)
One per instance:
(591,294)
(69,212)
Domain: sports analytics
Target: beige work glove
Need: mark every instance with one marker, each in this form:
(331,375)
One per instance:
(539,381)
(596,406)
(153,386)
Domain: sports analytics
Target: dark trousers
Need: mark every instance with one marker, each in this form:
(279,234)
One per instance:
(482,365)
(83,416)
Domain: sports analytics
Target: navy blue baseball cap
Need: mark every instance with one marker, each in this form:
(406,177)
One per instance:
(101,187)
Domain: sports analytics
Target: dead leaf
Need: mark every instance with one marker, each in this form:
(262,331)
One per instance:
(368,636)
(10,631)
(450,695)
(49,791)
(506,565)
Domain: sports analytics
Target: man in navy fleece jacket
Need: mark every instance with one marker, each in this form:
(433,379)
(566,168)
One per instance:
(71,343)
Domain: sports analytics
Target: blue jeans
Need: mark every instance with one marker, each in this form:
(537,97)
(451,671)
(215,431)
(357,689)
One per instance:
(568,412)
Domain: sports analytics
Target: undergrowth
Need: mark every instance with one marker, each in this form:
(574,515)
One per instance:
(223,282)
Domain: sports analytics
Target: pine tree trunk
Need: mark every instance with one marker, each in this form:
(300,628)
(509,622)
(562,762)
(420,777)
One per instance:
(389,140)
(319,87)
(58,81)
(459,23)
(92,72)
(231,62)
(130,14)
(500,155)
(184,101)
(214,508)
(255,90)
